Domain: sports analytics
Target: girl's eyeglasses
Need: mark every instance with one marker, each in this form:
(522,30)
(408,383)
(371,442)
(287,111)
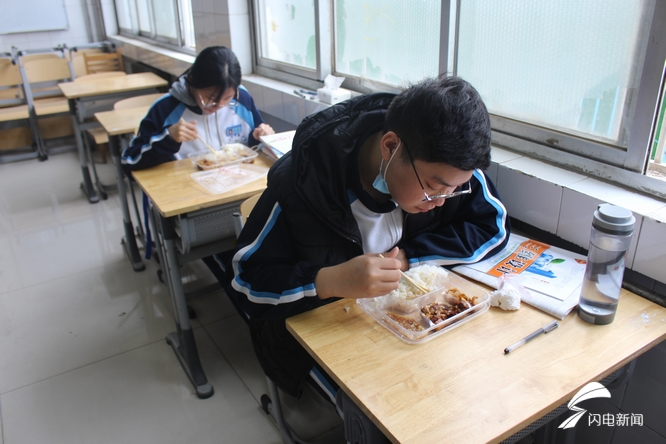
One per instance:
(215,102)
(428,198)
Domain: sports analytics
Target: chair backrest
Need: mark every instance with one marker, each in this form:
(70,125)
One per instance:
(99,76)
(247,206)
(133,102)
(43,75)
(77,61)
(240,217)
(30,57)
(11,92)
(103,62)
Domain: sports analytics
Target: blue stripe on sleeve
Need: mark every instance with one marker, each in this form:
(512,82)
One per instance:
(129,160)
(351,196)
(484,249)
(171,119)
(265,297)
(243,107)
(175,115)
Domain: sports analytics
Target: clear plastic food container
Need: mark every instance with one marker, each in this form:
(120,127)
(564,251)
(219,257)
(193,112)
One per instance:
(227,155)
(408,319)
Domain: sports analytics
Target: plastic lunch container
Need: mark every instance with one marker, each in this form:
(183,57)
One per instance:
(388,310)
(227,155)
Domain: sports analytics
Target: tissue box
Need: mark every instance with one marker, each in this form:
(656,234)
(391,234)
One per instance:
(333,96)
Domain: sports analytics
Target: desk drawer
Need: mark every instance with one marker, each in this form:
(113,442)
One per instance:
(205,226)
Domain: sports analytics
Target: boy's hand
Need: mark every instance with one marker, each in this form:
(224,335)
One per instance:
(364,276)
(183,131)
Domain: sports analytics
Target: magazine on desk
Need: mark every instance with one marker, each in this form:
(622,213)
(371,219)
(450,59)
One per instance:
(551,275)
(277,145)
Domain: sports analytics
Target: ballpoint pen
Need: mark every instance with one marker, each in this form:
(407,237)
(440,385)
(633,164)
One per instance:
(307,95)
(545,329)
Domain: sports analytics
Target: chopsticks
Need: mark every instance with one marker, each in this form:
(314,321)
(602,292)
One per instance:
(207,146)
(203,141)
(412,281)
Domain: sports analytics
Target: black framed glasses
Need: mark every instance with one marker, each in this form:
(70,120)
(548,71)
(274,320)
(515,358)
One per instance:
(428,198)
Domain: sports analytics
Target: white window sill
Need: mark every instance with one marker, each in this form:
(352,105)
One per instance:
(167,60)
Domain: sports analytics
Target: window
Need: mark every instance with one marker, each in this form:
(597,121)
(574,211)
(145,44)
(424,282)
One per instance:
(290,39)
(574,82)
(392,42)
(370,43)
(167,22)
(288,32)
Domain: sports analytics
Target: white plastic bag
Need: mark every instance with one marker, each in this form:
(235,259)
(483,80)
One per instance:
(509,293)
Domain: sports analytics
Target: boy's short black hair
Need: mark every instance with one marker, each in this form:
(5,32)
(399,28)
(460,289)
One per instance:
(442,120)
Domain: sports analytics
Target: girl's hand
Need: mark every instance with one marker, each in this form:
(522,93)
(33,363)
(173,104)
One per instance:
(262,130)
(183,131)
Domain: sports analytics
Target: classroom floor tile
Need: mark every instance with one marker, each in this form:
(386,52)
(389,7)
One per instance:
(310,415)
(72,321)
(82,336)
(141,396)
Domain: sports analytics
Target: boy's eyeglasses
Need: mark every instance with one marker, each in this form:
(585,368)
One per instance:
(428,198)
(215,103)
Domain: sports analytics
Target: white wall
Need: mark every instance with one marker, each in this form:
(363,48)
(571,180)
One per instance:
(77,34)
(224,23)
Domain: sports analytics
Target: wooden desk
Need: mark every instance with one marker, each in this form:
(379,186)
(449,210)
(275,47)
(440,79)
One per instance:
(461,387)
(86,98)
(126,121)
(179,204)
(116,124)
(173,191)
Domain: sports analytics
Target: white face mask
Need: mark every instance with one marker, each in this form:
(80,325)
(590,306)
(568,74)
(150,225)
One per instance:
(380,182)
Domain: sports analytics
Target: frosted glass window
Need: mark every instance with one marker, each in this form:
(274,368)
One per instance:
(165,18)
(187,22)
(389,41)
(287,32)
(569,65)
(125,14)
(144,16)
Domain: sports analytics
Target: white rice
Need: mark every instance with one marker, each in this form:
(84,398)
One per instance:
(430,276)
(228,153)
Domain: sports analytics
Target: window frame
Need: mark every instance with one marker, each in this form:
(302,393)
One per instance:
(312,78)
(623,166)
(177,44)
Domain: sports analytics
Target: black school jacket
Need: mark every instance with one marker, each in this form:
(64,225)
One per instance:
(303,222)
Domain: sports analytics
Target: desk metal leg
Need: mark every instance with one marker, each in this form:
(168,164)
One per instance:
(182,341)
(129,240)
(101,188)
(86,185)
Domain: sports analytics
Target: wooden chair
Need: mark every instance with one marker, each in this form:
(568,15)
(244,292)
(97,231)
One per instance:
(77,61)
(103,62)
(41,78)
(16,121)
(135,102)
(100,136)
(11,92)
